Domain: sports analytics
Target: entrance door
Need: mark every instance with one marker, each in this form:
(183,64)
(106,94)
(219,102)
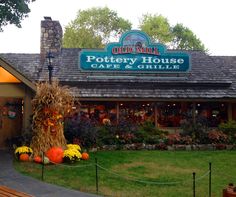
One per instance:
(10,120)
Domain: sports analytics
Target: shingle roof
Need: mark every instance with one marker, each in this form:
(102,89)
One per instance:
(27,64)
(210,77)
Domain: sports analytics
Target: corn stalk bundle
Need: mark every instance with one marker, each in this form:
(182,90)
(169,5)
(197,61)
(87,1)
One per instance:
(50,104)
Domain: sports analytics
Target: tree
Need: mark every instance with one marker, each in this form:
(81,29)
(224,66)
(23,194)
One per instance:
(184,38)
(93,28)
(13,11)
(157,27)
(177,37)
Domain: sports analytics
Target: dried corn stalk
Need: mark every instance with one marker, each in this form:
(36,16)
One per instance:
(50,104)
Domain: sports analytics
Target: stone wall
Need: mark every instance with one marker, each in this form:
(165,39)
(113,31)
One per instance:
(51,38)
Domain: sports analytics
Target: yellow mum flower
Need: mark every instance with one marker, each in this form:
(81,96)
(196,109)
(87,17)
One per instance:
(23,149)
(72,154)
(74,146)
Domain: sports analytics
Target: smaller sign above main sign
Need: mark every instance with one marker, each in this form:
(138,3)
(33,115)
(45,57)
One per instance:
(134,52)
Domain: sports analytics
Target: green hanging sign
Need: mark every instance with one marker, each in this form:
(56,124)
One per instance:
(136,53)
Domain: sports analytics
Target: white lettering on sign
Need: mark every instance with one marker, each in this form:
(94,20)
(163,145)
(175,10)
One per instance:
(158,67)
(106,66)
(110,59)
(154,60)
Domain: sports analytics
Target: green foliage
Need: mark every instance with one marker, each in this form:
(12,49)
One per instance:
(177,37)
(106,135)
(81,38)
(157,27)
(185,39)
(13,11)
(197,129)
(228,127)
(93,28)
(82,131)
(148,133)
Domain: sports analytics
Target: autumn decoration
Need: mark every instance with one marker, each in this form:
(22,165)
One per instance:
(37,159)
(72,153)
(24,157)
(23,150)
(85,156)
(55,155)
(51,104)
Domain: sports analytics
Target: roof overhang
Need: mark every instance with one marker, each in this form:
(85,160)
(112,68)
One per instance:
(8,67)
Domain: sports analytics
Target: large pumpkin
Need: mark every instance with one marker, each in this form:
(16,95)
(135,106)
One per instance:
(55,154)
(24,157)
(37,159)
(85,156)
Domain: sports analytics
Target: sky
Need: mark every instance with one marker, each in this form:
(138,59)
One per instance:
(212,21)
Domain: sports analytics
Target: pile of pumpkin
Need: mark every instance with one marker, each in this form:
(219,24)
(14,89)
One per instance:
(54,155)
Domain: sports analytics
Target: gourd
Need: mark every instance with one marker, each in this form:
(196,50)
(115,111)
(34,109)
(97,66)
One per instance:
(85,156)
(24,157)
(46,160)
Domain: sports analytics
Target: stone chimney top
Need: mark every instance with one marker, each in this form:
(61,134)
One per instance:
(51,38)
(47,18)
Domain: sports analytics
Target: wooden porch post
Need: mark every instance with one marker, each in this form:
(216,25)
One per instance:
(117,112)
(230,111)
(194,112)
(27,106)
(155,115)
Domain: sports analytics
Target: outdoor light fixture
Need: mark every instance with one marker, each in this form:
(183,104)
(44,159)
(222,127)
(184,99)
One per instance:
(50,67)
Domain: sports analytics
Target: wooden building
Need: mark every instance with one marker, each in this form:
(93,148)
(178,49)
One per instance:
(108,91)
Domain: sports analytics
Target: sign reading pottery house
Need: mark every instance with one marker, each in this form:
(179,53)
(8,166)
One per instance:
(134,52)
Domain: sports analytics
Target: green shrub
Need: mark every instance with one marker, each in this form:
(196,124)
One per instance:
(228,127)
(148,133)
(196,130)
(84,130)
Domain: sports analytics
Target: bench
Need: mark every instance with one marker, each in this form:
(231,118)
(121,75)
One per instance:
(8,192)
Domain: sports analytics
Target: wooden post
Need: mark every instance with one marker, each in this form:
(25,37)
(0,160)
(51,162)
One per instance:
(96,171)
(117,112)
(194,184)
(210,179)
(194,112)
(155,115)
(230,110)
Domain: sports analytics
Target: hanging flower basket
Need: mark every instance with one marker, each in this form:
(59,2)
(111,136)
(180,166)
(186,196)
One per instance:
(11,114)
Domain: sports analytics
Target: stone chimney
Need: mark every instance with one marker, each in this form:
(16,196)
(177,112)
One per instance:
(51,38)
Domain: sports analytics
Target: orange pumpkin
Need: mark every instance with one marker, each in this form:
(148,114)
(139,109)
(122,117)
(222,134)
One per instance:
(85,156)
(24,157)
(55,154)
(37,159)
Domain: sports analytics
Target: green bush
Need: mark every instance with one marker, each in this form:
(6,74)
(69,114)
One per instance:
(196,130)
(83,130)
(106,135)
(148,133)
(228,128)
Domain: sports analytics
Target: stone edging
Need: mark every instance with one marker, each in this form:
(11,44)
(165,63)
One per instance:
(142,146)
